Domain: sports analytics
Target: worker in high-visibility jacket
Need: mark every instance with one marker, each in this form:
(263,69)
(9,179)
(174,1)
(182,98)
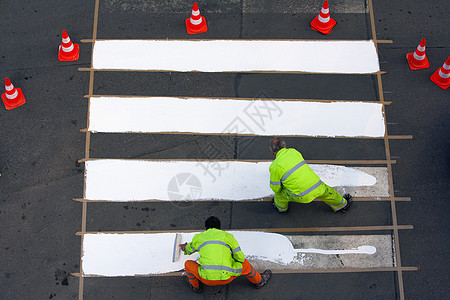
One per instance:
(293,180)
(221,259)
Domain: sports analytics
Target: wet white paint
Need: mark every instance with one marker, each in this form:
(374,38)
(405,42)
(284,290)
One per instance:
(209,116)
(346,57)
(143,254)
(137,180)
(140,254)
(360,250)
(376,191)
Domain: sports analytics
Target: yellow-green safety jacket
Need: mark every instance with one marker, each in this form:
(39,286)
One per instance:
(220,254)
(291,172)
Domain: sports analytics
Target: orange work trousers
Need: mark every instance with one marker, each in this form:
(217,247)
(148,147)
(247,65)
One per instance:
(248,271)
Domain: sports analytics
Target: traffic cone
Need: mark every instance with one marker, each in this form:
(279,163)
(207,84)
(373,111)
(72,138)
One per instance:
(418,59)
(12,97)
(196,23)
(442,75)
(67,50)
(322,22)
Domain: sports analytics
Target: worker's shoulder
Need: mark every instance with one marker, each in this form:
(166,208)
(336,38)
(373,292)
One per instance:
(287,155)
(221,235)
(293,151)
(212,232)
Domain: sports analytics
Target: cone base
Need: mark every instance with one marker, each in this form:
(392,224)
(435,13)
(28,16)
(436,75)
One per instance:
(191,29)
(413,66)
(71,56)
(10,104)
(435,78)
(322,28)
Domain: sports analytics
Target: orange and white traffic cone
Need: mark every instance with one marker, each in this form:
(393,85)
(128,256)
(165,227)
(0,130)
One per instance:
(67,50)
(323,23)
(442,75)
(418,59)
(196,23)
(12,97)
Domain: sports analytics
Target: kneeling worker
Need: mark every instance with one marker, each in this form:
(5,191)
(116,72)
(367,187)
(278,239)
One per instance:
(221,259)
(292,180)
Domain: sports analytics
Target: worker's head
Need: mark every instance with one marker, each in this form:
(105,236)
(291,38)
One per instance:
(276,144)
(212,222)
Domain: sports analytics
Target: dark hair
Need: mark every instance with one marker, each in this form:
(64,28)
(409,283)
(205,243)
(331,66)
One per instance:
(276,144)
(212,222)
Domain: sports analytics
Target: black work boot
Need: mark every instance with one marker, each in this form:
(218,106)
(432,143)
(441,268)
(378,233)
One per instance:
(265,276)
(273,204)
(276,208)
(198,289)
(347,197)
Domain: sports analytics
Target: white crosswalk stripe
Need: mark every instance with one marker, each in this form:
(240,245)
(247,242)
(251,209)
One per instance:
(344,57)
(137,180)
(229,116)
(122,254)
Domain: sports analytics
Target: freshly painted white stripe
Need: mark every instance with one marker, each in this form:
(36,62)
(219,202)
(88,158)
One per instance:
(143,254)
(137,180)
(379,189)
(139,254)
(360,249)
(348,57)
(231,116)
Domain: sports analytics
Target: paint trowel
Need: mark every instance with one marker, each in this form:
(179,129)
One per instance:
(176,248)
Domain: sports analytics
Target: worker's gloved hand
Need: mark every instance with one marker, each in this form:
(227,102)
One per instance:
(183,246)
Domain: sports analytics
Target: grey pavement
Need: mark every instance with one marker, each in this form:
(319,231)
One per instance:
(41,143)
